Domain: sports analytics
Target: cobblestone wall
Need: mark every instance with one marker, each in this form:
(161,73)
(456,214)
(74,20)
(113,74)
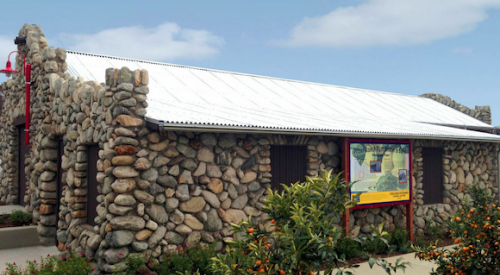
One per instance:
(482,113)
(45,61)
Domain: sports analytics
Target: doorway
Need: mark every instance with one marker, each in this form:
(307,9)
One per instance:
(22,151)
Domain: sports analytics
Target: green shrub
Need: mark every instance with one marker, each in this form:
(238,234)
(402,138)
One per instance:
(400,239)
(376,245)
(348,248)
(419,241)
(133,264)
(183,259)
(299,238)
(19,217)
(476,232)
(378,241)
(77,265)
(435,231)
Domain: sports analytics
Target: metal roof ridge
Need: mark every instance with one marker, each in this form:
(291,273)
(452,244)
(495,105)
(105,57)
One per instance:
(237,73)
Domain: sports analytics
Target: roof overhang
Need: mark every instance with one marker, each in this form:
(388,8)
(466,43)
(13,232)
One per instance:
(205,127)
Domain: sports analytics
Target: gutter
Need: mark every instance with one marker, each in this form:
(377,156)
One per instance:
(160,125)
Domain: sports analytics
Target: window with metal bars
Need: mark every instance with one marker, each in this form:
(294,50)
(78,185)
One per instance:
(288,165)
(433,175)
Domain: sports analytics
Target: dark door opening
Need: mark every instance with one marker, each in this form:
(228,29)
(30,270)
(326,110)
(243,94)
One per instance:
(433,175)
(23,150)
(93,156)
(288,165)
(60,184)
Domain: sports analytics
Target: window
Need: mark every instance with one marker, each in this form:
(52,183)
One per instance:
(288,165)
(433,175)
(93,156)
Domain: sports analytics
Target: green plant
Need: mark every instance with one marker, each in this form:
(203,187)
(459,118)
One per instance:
(418,241)
(378,241)
(19,217)
(435,231)
(184,259)
(388,267)
(134,263)
(400,239)
(375,245)
(78,265)
(476,232)
(348,248)
(299,238)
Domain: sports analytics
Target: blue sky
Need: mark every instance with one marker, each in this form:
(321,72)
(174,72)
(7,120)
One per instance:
(412,47)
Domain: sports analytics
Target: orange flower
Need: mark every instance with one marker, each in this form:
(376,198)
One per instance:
(250,230)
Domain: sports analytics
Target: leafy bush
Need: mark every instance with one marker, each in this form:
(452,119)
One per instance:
(183,259)
(77,265)
(348,248)
(19,217)
(419,241)
(299,238)
(400,239)
(476,231)
(435,231)
(378,241)
(134,263)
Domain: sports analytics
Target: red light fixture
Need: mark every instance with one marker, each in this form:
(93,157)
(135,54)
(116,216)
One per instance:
(8,71)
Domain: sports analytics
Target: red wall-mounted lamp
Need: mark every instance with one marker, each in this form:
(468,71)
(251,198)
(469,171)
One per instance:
(8,71)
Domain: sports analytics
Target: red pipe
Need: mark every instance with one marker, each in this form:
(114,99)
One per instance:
(27,73)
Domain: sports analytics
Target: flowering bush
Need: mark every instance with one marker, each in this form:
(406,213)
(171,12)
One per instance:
(58,265)
(299,238)
(476,231)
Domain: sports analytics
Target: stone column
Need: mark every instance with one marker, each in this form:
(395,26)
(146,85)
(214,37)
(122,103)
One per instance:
(127,175)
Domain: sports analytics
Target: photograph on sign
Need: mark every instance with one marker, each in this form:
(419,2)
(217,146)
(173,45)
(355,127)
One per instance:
(381,172)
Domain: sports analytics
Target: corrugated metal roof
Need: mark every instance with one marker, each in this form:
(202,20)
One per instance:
(184,96)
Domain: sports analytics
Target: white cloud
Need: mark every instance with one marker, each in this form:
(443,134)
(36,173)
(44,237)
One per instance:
(463,50)
(165,42)
(390,22)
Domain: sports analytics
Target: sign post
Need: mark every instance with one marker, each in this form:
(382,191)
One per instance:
(382,174)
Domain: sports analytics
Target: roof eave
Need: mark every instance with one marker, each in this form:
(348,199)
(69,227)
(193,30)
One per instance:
(161,125)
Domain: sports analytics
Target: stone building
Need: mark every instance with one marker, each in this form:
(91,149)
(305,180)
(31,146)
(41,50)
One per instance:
(126,155)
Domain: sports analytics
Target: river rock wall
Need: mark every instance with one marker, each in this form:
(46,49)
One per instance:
(482,113)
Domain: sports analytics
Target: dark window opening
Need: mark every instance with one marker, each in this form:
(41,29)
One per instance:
(433,175)
(92,193)
(23,150)
(288,165)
